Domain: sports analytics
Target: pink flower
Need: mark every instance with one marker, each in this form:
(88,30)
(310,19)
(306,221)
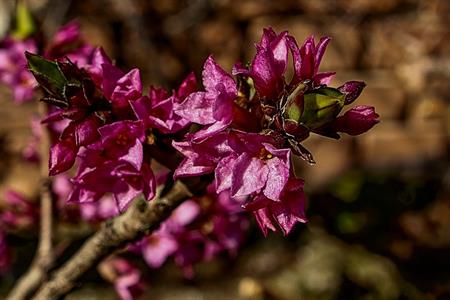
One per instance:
(201,157)
(13,68)
(198,230)
(122,141)
(259,167)
(307,60)
(68,42)
(269,65)
(126,277)
(121,89)
(284,213)
(158,110)
(158,247)
(20,211)
(214,107)
(78,133)
(119,178)
(99,211)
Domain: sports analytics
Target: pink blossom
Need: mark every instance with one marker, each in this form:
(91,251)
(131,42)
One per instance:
(214,107)
(284,213)
(269,64)
(13,68)
(158,110)
(199,229)
(68,42)
(126,277)
(20,211)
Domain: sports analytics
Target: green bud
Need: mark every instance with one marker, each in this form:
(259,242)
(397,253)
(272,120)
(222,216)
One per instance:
(24,22)
(294,104)
(321,106)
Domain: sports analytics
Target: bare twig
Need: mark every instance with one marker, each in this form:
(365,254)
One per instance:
(44,258)
(140,219)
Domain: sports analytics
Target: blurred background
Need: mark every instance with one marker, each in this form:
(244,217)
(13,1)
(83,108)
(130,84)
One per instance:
(379,204)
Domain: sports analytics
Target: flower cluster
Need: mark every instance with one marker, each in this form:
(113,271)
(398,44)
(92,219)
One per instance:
(254,125)
(109,124)
(251,125)
(244,129)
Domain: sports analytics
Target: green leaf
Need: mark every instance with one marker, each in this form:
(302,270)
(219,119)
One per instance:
(48,74)
(25,25)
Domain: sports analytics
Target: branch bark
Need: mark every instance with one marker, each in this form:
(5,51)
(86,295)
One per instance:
(140,219)
(44,257)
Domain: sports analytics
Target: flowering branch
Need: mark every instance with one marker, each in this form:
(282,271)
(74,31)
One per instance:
(234,140)
(44,258)
(140,219)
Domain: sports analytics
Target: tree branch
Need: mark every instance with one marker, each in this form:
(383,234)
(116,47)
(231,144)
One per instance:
(44,258)
(140,219)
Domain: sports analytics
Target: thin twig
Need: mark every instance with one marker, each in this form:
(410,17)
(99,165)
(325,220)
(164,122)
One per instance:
(44,257)
(140,219)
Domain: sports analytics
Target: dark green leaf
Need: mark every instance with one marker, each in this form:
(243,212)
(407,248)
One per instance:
(48,74)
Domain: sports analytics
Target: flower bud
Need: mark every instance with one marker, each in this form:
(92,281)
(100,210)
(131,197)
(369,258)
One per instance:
(321,107)
(352,90)
(357,120)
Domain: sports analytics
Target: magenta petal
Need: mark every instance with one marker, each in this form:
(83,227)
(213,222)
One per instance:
(320,50)
(124,194)
(264,220)
(131,81)
(197,108)
(128,283)
(185,213)
(188,169)
(142,108)
(357,120)
(352,90)
(279,51)
(216,80)
(117,139)
(86,130)
(307,63)
(224,173)
(157,249)
(111,75)
(62,156)
(67,34)
(267,83)
(223,109)
(209,131)
(267,37)
(292,209)
(99,57)
(188,86)
(249,175)
(277,178)
(81,195)
(284,154)
(324,78)
(135,155)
